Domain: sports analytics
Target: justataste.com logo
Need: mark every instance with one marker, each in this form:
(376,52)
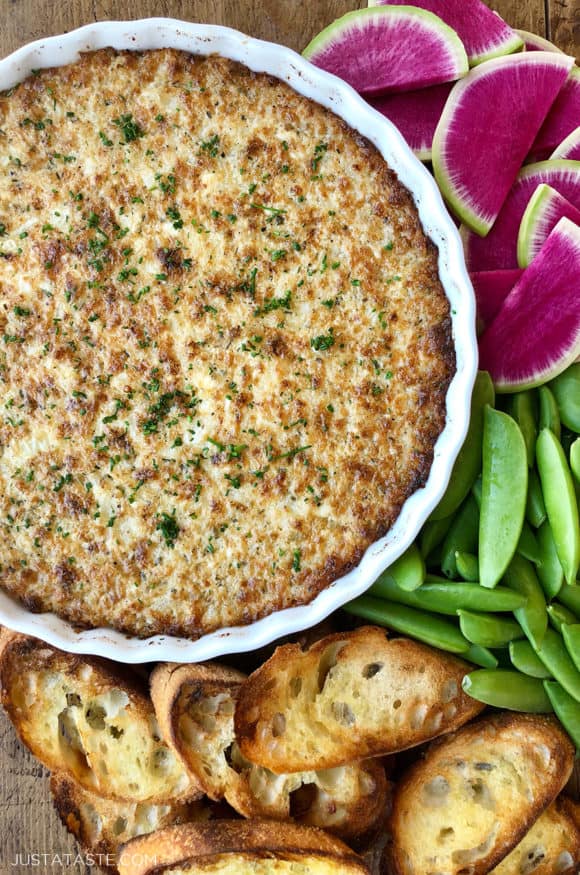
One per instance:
(35,859)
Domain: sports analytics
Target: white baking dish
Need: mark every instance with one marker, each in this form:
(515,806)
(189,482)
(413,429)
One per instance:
(340,98)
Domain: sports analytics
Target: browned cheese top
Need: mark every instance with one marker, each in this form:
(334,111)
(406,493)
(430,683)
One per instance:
(224,346)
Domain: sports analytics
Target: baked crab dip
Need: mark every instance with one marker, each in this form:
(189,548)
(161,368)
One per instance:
(224,351)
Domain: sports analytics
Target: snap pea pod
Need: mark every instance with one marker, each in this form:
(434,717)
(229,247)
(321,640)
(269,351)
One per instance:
(480,656)
(524,658)
(532,617)
(549,415)
(571,636)
(556,658)
(560,500)
(433,534)
(566,391)
(569,595)
(567,710)
(549,570)
(528,546)
(468,463)
(535,507)
(408,571)
(523,410)
(467,566)
(416,624)
(504,688)
(503,494)
(476,492)
(496,631)
(445,597)
(461,537)
(575,459)
(560,616)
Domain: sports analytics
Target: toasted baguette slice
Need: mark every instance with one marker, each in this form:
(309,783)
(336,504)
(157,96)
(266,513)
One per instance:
(91,720)
(476,793)
(195,708)
(551,847)
(226,847)
(102,825)
(350,696)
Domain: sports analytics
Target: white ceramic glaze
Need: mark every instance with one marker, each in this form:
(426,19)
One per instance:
(331,92)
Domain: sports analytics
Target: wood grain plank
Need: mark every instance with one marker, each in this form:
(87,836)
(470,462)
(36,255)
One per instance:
(564,25)
(28,823)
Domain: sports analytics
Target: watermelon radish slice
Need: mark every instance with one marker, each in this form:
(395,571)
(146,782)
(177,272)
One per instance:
(570,147)
(543,212)
(416,114)
(491,288)
(484,34)
(534,43)
(389,49)
(536,334)
(562,119)
(499,249)
(488,125)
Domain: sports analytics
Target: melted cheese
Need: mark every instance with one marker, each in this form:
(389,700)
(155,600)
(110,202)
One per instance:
(224,347)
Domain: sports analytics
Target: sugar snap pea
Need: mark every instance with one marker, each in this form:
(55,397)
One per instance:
(566,391)
(476,492)
(468,463)
(523,410)
(559,616)
(433,534)
(504,688)
(556,658)
(535,507)
(567,710)
(480,656)
(569,595)
(444,597)
(416,624)
(571,636)
(549,415)
(408,571)
(524,658)
(549,569)
(503,495)
(495,631)
(461,537)
(467,566)
(560,501)
(532,617)
(575,459)
(528,546)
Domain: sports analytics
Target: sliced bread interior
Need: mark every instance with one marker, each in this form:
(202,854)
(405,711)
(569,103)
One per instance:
(468,803)
(91,720)
(350,696)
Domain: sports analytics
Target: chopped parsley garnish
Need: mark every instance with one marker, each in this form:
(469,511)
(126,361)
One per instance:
(322,342)
(211,146)
(174,214)
(169,528)
(104,139)
(275,304)
(66,478)
(319,153)
(289,454)
(296,556)
(130,129)
(277,254)
(21,311)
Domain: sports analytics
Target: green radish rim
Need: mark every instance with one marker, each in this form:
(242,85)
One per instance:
(528,226)
(571,141)
(433,22)
(544,45)
(462,207)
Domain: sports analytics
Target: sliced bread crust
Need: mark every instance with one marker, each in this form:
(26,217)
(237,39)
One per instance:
(91,720)
(349,696)
(195,708)
(205,847)
(468,803)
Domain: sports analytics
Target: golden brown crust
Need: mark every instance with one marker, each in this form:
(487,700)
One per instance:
(90,719)
(267,839)
(358,695)
(476,793)
(226,346)
(194,705)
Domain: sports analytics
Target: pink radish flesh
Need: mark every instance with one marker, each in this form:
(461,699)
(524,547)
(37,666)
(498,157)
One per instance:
(491,288)
(562,119)
(416,114)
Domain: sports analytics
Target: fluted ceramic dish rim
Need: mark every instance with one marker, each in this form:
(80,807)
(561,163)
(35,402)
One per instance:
(333,93)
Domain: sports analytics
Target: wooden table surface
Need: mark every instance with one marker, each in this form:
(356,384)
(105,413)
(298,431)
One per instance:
(28,824)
